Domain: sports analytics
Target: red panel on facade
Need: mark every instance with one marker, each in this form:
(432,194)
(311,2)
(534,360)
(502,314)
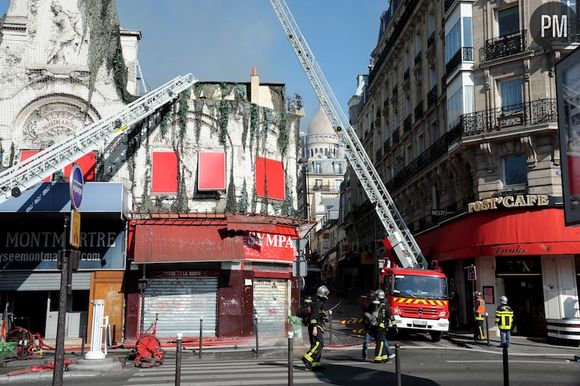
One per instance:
(164,173)
(270,179)
(539,232)
(87,163)
(269,247)
(211,171)
(182,243)
(25,154)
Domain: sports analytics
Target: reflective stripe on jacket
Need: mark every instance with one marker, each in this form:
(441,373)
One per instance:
(504,317)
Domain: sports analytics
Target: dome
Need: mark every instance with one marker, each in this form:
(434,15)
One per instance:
(320,125)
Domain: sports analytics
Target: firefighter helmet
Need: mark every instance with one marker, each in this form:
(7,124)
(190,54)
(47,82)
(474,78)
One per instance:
(503,300)
(477,293)
(380,294)
(322,292)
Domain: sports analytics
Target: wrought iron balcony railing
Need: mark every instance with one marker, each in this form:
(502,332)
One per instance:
(386,146)
(504,46)
(431,39)
(418,57)
(463,54)
(427,158)
(530,113)
(395,138)
(406,74)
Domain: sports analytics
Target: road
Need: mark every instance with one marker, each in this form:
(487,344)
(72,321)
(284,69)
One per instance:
(421,365)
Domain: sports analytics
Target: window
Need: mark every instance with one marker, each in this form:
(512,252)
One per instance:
(432,78)
(417,43)
(164,174)
(431,23)
(510,94)
(515,170)
(318,182)
(467,32)
(317,167)
(337,184)
(508,21)
(408,155)
(454,107)
(434,132)
(211,171)
(420,144)
(453,41)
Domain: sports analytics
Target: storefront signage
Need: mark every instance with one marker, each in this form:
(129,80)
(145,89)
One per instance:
(511,201)
(268,246)
(101,247)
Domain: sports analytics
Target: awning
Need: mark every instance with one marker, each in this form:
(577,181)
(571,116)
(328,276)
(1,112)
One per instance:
(174,240)
(537,232)
(98,197)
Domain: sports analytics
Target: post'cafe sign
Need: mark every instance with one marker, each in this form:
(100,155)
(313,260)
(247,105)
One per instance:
(509,201)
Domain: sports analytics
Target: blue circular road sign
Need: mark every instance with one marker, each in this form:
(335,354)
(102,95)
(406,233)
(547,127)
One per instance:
(76,186)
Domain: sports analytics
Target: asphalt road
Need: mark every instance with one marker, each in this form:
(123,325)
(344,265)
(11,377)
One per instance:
(421,365)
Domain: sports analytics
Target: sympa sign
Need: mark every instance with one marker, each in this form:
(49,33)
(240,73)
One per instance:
(268,246)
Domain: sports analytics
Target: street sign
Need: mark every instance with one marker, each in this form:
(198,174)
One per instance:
(75,229)
(471,273)
(76,186)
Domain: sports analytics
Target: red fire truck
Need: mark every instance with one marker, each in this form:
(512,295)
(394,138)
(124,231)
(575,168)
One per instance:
(418,299)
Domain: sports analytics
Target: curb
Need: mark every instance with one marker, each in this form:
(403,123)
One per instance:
(45,375)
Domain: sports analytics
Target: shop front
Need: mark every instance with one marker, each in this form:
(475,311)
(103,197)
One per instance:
(218,272)
(527,255)
(32,239)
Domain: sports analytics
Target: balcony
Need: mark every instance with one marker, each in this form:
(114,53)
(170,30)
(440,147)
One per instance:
(432,97)
(525,114)
(321,188)
(462,55)
(406,74)
(504,46)
(431,39)
(425,160)
(419,111)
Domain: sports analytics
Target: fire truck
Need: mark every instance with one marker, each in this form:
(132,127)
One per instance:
(417,296)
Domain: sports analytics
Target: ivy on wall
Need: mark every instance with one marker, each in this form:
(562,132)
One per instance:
(283,136)
(253,124)
(224,113)
(1,25)
(243,203)
(231,205)
(105,46)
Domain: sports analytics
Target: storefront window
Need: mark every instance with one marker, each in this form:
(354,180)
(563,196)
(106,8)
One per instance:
(525,265)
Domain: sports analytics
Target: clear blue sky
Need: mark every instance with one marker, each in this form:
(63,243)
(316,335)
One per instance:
(221,40)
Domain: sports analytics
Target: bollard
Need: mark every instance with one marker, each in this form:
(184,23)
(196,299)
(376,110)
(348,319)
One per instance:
(290,358)
(506,370)
(84,337)
(178,360)
(398,364)
(330,322)
(256,332)
(200,335)
(487,328)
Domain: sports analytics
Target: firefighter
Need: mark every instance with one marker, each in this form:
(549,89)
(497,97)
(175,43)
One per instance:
(318,319)
(504,318)
(385,319)
(370,322)
(479,309)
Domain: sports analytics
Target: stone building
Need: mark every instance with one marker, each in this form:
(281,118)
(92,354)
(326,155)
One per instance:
(460,120)
(195,205)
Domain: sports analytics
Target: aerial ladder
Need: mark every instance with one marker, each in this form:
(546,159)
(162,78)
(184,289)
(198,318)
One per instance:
(33,170)
(404,245)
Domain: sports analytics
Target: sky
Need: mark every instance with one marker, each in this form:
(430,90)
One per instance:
(222,40)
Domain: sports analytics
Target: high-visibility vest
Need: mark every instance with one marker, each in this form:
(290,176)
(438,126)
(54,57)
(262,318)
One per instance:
(504,317)
(479,308)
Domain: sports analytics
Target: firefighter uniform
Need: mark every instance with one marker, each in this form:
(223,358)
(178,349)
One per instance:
(479,305)
(370,323)
(318,319)
(504,318)
(384,319)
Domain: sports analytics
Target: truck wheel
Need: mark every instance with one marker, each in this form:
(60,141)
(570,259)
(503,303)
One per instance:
(436,336)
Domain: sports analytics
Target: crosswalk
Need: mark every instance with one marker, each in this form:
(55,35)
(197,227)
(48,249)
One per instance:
(218,372)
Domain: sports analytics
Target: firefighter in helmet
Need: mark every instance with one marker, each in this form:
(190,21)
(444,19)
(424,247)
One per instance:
(318,319)
(479,309)
(504,318)
(384,319)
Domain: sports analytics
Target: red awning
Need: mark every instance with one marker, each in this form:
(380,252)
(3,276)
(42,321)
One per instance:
(538,232)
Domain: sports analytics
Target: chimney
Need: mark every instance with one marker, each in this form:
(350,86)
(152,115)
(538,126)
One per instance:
(255,87)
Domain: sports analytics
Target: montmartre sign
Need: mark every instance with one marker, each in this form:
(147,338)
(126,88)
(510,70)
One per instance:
(509,201)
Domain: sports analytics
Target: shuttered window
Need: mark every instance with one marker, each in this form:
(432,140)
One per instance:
(164,173)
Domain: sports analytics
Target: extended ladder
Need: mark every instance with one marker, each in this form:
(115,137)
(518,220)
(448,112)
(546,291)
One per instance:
(54,158)
(399,235)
